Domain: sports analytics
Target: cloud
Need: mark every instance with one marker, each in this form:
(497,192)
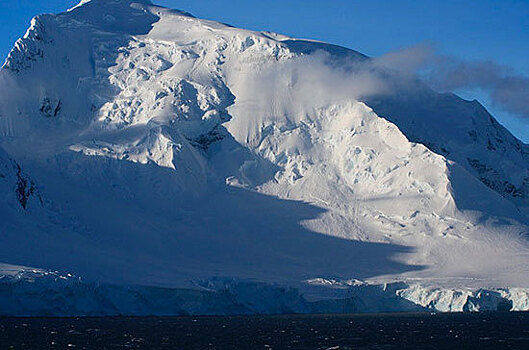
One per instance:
(505,87)
(318,82)
(309,81)
(408,60)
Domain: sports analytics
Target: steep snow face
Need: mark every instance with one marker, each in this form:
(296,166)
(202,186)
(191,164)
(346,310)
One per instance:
(462,131)
(376,185)
(174,149)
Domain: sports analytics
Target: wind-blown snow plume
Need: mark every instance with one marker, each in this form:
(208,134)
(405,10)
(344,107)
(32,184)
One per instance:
(506,87)
(407,60)
(311,81)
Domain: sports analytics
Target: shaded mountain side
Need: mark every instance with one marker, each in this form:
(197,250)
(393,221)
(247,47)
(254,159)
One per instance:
(18,190)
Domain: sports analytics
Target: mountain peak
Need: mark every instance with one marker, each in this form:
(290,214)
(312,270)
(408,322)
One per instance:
(105,2)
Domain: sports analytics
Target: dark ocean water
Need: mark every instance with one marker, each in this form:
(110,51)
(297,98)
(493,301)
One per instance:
(378,331)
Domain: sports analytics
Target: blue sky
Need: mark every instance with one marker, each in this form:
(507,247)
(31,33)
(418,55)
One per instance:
(470,30)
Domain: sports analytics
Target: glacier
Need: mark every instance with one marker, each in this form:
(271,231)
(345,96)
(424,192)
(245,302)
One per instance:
(33,292)
(158,163)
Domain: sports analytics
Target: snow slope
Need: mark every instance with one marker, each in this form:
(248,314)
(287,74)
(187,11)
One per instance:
(172,152)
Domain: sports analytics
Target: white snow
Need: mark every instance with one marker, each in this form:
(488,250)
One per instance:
(167,150)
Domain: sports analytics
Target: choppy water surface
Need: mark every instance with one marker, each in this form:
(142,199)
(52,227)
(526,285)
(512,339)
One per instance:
(380,331)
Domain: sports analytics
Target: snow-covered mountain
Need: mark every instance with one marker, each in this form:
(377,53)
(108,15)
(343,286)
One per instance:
(149,148)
